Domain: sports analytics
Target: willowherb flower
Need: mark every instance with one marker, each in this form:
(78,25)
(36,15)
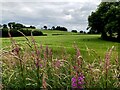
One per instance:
(46,52)
(16,50)
(76,68)
(37,52)
(41,47)
(50,54)
(57,63)
(107,59)
(78,81)
(78,57)
(39,65)
(44,83)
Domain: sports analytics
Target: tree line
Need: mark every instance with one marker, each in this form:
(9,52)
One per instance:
(56,28)
(13,28)
(13,25)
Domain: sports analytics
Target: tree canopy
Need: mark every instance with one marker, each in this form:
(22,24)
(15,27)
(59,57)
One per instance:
(106,20)
(13,28)
(59,28)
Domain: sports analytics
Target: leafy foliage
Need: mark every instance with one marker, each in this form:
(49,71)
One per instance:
(59,28)
(15,33)
(106,20)
(75,31)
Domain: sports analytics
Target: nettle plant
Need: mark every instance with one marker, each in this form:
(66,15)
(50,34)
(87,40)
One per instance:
(30,65)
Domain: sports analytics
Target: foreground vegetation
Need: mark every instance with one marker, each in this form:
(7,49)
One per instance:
(88,63)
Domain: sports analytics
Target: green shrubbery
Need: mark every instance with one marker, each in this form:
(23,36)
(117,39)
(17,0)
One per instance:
(75,31)
(15,33)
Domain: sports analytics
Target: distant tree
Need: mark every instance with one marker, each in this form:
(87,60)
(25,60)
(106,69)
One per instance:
(45,27)
(1,26)
(18,26)
(75,31)
(33,27)
(61,28)
(11,25)
(84,32)
(5,26)
(81,31)
(49,29)
(53,28)
(4,30)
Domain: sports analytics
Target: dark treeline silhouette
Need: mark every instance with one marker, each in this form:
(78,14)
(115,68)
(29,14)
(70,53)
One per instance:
(13,28)
(56,28)
(60,28)
(31,27)
(75,31)
(13,25)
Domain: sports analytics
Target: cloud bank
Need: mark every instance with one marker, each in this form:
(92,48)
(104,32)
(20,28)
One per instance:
(72,15)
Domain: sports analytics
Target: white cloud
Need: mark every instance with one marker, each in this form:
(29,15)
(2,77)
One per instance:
(72,15)
(50,0)
(67,17)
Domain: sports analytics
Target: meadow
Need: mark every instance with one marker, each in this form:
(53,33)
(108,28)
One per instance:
(60,60)
(59,40)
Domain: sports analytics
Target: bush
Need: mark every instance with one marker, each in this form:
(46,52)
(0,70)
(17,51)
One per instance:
(81,32)
(15,33)
(75,31)
(37,33)
(4,32)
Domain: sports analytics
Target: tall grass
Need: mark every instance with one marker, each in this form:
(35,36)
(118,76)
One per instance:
(33,66)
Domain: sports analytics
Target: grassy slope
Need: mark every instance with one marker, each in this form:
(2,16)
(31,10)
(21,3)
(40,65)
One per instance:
(57,42)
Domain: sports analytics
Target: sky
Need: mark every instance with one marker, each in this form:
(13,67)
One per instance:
(72,14)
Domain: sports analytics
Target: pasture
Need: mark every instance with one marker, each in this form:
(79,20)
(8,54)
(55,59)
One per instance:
(58,60)
(59,40)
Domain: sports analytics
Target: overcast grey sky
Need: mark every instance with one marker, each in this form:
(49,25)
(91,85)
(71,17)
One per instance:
(71,14)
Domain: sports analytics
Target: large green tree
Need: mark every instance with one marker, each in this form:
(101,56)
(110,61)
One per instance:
(106,20)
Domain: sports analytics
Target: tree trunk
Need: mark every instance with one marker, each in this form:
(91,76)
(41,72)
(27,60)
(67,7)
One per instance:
(118,37)
(103,35)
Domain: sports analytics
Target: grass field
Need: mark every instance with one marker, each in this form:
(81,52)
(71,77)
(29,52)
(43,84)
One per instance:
(66,40)
(61,67)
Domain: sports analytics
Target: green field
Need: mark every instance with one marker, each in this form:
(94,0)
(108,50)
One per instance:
(59,40)
(39,67)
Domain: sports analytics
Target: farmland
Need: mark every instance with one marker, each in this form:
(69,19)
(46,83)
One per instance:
(58,59)
(58,40)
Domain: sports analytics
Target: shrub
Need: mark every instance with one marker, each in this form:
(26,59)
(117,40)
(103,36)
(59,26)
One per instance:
(15,33)
(4,32)
(75,31)
(81,32)
(37,33)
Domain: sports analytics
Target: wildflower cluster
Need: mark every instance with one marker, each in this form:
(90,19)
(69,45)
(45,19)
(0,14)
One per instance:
(35,66)
(78,81)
